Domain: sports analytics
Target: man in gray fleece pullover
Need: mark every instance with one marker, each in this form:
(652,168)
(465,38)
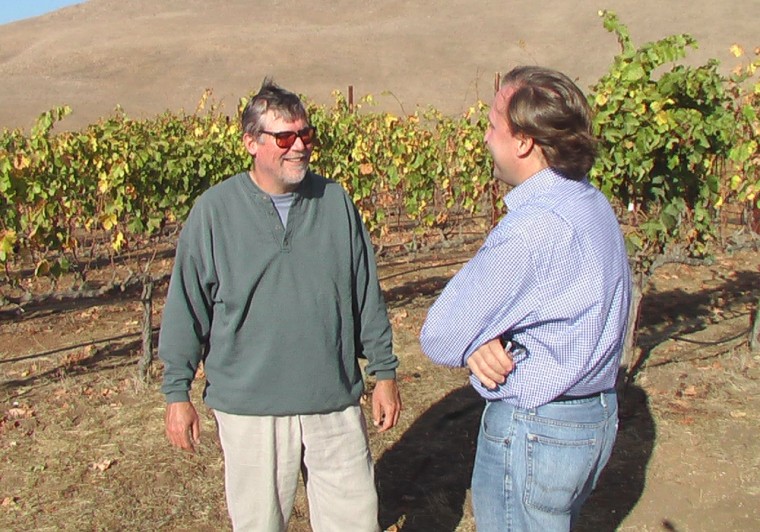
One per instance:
(275,289)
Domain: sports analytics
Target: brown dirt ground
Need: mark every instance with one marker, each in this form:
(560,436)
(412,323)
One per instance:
(82,444)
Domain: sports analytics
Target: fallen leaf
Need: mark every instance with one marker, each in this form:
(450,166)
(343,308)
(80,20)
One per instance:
(19,413)
(103,464)
(8,501)
(399,317)
(737,414)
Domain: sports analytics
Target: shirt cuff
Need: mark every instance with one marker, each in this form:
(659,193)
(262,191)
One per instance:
(177,397)
(385,375)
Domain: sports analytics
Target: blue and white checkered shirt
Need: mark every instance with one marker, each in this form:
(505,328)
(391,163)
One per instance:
(554,276)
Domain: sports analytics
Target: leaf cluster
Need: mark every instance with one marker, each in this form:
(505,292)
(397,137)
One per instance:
(667,140)
(675,146)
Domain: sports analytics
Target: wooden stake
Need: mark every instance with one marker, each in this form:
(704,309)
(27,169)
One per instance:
(754,339)
(147,329)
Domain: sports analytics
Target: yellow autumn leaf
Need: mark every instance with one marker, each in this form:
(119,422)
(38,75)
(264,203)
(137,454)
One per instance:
(601,99)
(737,50)
(20,161)
(7,242)
(118,241)
(661,118)
(390,120)
(108,221)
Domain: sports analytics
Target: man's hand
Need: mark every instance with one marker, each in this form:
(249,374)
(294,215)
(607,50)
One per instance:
(183,426)
(386,404)
(491,363)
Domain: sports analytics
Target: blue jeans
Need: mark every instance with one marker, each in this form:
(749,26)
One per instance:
(534,468)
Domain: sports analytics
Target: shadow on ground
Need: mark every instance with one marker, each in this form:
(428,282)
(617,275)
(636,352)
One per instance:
(423,480)
(676,314)
(622,482)
(426,474)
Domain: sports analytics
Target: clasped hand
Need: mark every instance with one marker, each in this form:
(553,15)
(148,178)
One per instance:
(491,363)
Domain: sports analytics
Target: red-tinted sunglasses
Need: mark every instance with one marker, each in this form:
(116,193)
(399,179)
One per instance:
(285,139)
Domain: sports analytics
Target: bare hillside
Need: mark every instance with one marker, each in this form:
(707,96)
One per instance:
(151,56)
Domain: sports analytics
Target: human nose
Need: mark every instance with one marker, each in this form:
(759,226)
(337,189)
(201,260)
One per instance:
(299,144)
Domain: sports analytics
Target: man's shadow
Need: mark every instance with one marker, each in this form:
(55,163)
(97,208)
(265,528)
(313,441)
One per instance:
(423,480)
(623,480)
(425,476)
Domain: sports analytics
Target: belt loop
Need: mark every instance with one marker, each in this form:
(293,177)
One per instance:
(603,397)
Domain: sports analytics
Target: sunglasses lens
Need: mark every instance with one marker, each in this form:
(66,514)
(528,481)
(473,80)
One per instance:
(286,139)
(307,135)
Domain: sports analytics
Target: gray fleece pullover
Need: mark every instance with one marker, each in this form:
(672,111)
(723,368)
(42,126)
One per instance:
(280,315)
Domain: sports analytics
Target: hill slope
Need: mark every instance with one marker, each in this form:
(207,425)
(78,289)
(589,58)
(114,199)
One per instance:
(151,56)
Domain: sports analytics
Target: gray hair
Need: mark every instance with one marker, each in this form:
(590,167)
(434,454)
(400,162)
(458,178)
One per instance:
(271,97)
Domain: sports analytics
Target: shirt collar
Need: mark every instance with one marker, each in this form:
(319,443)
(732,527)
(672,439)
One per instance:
(303,187)
(533,186)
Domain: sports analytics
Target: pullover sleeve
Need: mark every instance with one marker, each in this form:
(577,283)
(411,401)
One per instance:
(375,338)
(188,311)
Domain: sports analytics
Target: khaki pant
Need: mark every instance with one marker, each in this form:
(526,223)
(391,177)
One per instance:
(263,456)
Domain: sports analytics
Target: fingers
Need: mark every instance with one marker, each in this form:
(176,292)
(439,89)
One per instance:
(196,431)
(386,405)
(491,364)
(182,425)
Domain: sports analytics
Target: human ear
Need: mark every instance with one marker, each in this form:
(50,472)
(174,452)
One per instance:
(250,143)
(524,145)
